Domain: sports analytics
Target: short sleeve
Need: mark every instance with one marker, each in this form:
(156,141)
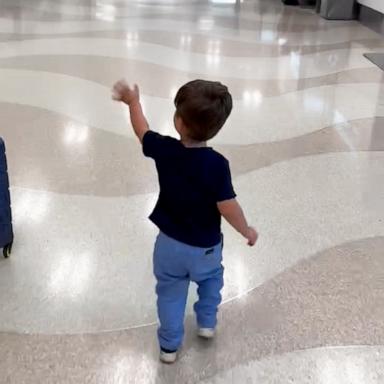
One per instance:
(156,145)
(224,187)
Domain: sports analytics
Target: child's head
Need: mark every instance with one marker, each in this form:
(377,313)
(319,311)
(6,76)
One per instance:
(203,106)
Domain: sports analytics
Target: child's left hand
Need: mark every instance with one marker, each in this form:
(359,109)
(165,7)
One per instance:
(123,92)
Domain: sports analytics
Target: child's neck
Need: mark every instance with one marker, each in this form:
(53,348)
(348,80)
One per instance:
(189,143)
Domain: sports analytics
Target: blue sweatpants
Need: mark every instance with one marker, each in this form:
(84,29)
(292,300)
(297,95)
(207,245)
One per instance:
(175,265)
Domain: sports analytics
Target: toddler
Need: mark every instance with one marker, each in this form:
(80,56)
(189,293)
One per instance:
(195,192)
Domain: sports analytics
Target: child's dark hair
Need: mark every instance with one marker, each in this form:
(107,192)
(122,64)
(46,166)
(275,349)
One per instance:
(204,107)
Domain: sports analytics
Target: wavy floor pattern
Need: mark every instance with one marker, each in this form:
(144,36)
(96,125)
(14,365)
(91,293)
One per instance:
(212,64)
(158,80)
(254,119)
(330,35)
(73,282)
(342,365)
(92,168)
(267,325)
(305,142)
(204,43)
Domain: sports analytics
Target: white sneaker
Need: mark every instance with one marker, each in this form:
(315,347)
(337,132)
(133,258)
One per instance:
(206,333)
(168,357)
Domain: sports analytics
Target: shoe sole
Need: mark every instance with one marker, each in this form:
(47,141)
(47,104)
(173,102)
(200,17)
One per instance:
(205,336)
(168,361)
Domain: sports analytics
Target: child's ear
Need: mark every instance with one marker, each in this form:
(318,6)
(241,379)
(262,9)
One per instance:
(178,121)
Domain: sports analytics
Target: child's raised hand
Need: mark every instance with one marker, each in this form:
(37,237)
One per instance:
(123,92)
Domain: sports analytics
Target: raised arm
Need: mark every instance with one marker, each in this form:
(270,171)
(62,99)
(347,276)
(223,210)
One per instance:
(131,96)
(233,213)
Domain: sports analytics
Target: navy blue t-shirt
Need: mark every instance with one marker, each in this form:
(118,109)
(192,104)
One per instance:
(192,182)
